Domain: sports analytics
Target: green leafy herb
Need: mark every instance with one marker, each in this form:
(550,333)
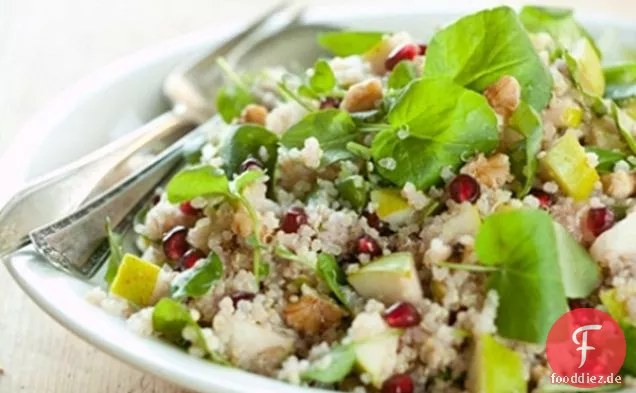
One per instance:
(479,49)
(332,128)
(115,241)
(332,275)
(197,281)
(435,123)
(402,75)
(346,43)
(284,252)
(606,158)
(629,366)
(620,81)
(290,95)
(355,190)
(323,79)
(524,156)
(558,22)
(342,359)
(359,150)
(234,97)
(248,141)
(201,180)
(170,317)
(245,179)
(529,280)
(579,273)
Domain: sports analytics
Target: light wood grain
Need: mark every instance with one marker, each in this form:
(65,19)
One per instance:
(73,38)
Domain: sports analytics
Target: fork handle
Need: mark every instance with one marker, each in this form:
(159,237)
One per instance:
(55,195)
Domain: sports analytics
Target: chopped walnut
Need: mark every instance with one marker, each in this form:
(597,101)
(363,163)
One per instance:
(363,96)
(492,172)
(254,114)
(504,95)
(313,315)
(619,185)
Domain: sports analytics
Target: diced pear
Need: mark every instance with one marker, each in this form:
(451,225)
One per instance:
(589,70)
(495,368)
(617,243)
(567,164)
(355,190)
(253,346)
(135,280)
(465,221)
(390,206)
(377,357)
(390,279)
(572,116)
(616,308)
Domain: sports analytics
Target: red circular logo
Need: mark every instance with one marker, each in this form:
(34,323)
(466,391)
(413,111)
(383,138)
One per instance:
(585,348)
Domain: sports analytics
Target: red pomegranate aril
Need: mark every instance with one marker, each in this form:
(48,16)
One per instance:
(404,52)
(189,210)
(175,243)
(250,164)
(402,315)
(241,295)
(545,199)
(464,188)
(398,383)
(599,220)
(293,220)
(330,103)
(423,48)
(190,258)
(368,245)
(374,222)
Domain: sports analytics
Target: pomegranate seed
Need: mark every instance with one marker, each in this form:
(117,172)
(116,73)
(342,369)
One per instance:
(293,220)
(402,315)
(404,52)
(190,258)
(545,199)
(155,199)
(599,220)
(241,295)
(250,164)
(189,210)
(367,245)
(464,188)
(374,221)
(330,103)
(423,48)
(175,244)
(398,383)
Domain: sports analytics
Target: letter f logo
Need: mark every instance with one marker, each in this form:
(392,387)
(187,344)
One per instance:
(583,344)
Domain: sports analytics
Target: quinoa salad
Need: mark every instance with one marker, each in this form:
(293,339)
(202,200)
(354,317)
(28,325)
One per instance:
(405,216)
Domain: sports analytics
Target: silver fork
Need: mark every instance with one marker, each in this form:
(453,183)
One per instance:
(55,195)
(70,243)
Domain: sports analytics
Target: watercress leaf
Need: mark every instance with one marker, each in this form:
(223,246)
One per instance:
(249,141)
(558,22)
(331,273)
(620,81)
(531,292)
(629,366)
(169,317)
(606,158)
(523,158)
(115,247)
(245,179)
(479,49)
(231,100)
(346,43)
(402,75)
(342,359)
(323,79)
(307,91)
(201,180)
(332,128)
(198,280)
(436,123)
(579,272)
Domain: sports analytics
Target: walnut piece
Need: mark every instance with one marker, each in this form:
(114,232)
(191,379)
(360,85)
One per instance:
(254,114)
(492,172)
(619,185)
(363,96)
(312,315)
(504,95)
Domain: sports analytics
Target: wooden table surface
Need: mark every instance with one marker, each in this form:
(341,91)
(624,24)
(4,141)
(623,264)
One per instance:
(75,37)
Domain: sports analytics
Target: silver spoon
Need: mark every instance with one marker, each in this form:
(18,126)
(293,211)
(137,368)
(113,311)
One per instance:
(59,193)
(71,242)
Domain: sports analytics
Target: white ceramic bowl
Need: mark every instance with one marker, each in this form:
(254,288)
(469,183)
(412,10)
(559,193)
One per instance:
(117,100)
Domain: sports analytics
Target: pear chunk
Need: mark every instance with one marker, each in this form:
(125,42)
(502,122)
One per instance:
(135,280)
(495,368)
